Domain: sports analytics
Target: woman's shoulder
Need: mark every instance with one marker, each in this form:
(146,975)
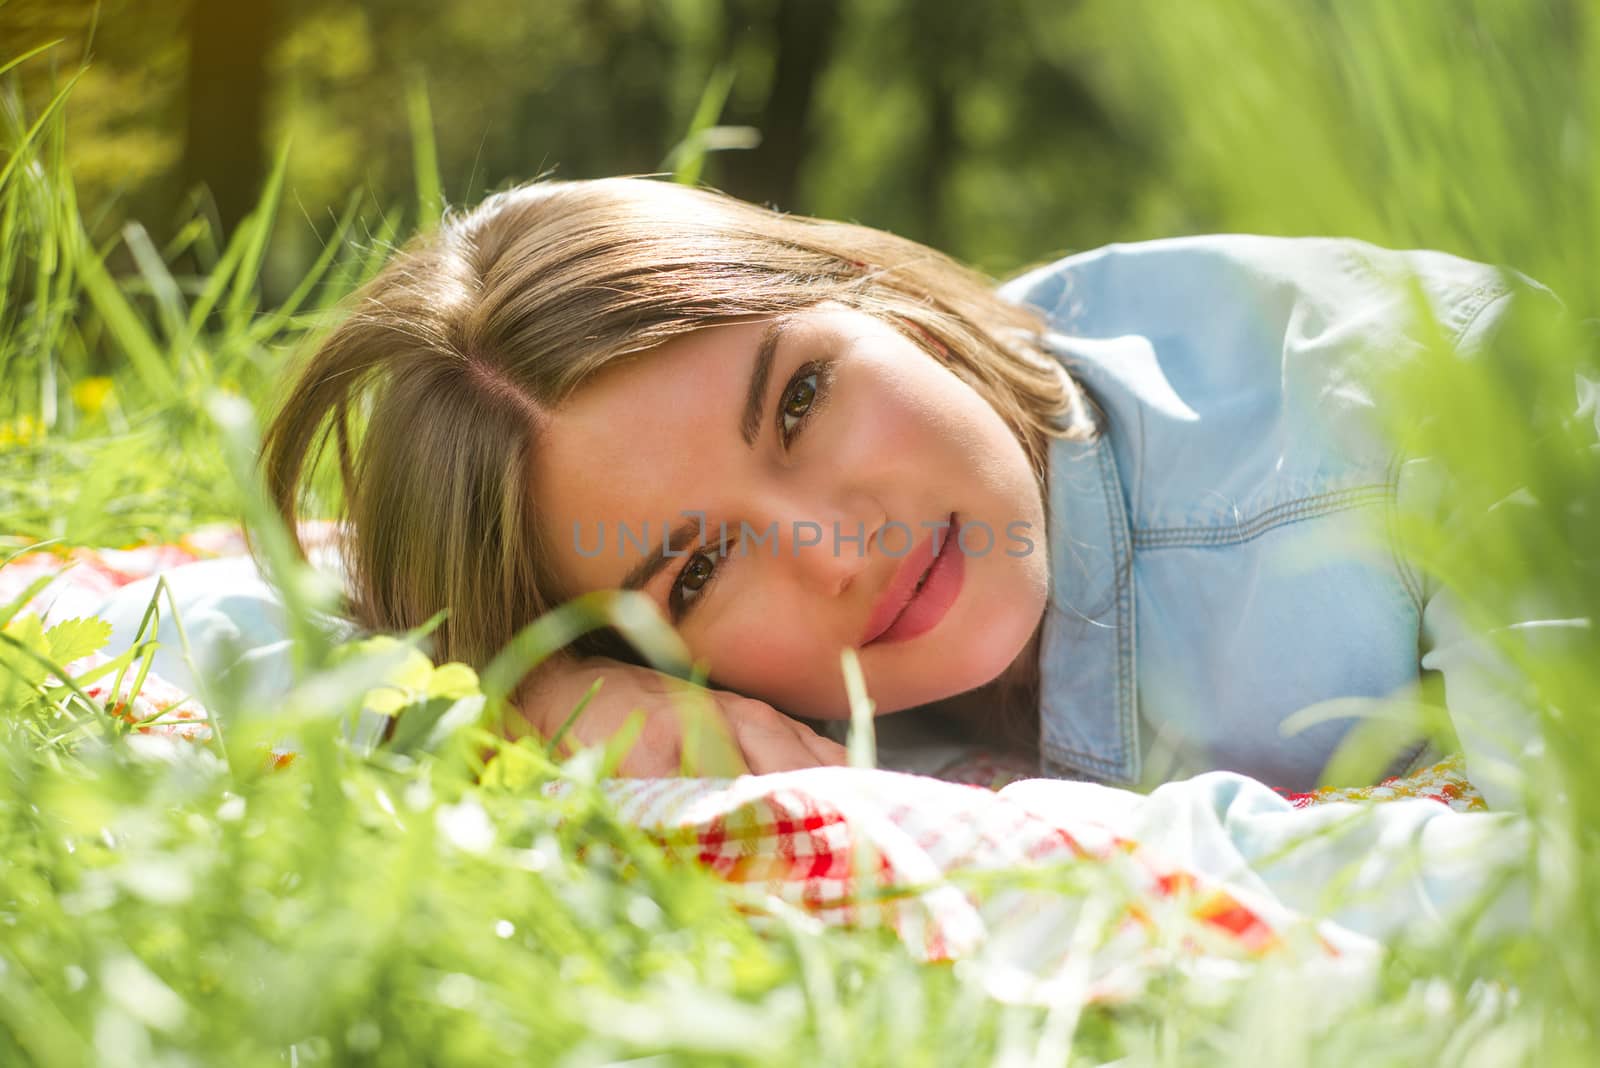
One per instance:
(1222,285)
(1239,373)
(1228,346)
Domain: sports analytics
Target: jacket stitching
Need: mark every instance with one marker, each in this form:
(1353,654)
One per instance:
(1115,768)
(1391,521)
(1082,763)
(1262,522)
(1125,650)
(1480,300)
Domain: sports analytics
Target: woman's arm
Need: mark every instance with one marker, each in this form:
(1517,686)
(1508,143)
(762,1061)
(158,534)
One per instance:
(686,728)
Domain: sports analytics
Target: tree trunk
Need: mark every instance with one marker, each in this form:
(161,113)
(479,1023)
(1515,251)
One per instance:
(803,33)
(224,145)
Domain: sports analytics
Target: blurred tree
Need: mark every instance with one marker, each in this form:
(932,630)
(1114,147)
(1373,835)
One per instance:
(981,129)
(799,35)
(226,102)
(122,146)
(1002,132)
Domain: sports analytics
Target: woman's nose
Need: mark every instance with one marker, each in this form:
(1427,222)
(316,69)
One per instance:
(830,542)
(841,552)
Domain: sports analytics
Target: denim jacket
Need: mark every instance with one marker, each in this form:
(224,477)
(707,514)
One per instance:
(1220,556)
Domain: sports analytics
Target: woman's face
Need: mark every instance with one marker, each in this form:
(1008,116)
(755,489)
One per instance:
(854,430)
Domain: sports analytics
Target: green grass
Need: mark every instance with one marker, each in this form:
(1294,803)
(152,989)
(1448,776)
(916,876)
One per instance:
(207,910)
(1469,127)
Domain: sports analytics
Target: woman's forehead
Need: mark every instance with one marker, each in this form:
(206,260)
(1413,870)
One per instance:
(691,360)
(640,440)
(692,388)
(663,433)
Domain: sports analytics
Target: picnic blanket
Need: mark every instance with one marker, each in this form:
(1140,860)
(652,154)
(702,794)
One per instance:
(1123,890)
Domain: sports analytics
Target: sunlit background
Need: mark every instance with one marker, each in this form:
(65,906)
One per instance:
(1003,132)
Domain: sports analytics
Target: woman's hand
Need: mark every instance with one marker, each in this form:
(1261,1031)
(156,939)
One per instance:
(766,739)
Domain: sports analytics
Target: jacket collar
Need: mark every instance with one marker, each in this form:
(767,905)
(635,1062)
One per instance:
(1088,718)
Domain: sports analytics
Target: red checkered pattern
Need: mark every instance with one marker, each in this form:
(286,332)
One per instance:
(862,848)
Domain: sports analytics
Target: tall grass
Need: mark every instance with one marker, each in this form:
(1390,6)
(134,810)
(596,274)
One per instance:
(400,904)
(1471,126)
(109,352)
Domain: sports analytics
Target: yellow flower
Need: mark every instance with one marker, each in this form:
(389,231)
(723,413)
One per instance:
(91,394)
(23,430)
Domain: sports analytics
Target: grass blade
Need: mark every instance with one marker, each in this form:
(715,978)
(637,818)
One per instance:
(687,158)
(163,287)
(259,225)
(268,326)
(148,358)
(19,151)
(424,156)
(29,54)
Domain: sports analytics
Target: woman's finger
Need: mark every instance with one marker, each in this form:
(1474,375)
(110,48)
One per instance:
(826,750)
(771,746)
(650,758)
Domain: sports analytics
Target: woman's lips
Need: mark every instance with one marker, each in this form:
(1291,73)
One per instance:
(905,611)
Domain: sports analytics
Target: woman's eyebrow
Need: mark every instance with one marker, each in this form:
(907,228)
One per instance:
(755,408)
(679,540)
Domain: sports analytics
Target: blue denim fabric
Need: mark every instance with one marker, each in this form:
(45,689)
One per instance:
(1220,552)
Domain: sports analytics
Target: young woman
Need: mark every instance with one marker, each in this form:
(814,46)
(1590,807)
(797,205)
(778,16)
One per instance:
(1127,511)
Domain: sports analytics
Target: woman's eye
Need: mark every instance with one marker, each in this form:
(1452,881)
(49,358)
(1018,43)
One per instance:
(802,399)
(691,580)
(800,402)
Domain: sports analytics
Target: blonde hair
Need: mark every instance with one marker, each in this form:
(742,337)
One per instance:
(434,389)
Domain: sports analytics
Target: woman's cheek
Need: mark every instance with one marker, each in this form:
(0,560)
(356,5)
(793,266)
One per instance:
(730,644)
(765,659)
